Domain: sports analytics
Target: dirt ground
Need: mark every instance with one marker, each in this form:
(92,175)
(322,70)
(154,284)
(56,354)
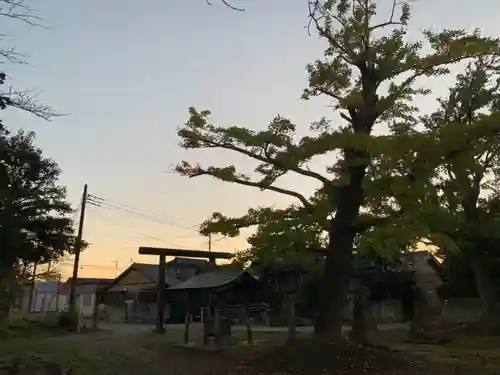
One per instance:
(149,354)
(120,328)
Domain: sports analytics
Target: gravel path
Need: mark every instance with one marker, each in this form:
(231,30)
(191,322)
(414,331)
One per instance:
(133,328)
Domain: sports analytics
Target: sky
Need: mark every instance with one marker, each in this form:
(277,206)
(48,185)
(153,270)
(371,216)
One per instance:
(125,72)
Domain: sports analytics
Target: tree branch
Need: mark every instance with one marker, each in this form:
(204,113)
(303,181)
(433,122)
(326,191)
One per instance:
(219,223)
(435,60)
(314,7)
(197,125)
(228,174)
(226,3)
(390,22)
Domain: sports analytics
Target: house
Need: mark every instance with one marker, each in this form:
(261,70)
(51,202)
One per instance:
(44,296)
(143,276)
(132,295)
(85,293)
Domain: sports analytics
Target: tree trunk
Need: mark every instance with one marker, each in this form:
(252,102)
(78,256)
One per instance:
(334,294)
(4,297)
(291,317)
(484,282)
(338,266)
(360,320)
(487,293)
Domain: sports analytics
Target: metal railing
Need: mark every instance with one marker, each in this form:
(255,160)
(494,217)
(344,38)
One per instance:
(231,312)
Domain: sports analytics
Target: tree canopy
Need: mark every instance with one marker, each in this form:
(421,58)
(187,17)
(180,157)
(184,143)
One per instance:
(338,76)
(376,184)
(35,218)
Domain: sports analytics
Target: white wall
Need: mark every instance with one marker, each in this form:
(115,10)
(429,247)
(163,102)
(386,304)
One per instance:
(46,300)
(86,304)
(43,301)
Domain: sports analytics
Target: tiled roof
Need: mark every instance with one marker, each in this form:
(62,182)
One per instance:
(90,281)
(177,270)
(221,276)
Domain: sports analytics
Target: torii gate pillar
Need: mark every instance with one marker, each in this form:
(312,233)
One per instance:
(162,253)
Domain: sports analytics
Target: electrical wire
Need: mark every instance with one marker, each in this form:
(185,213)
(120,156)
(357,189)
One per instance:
(125,226)
(139,215)
(219,239)
(95,203)
(161,219)
(83,266)
(129,228)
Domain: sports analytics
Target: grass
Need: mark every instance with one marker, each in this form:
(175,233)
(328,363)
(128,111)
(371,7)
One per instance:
(31,326)
(150,354)
(464,349)
(127,354)
(84,354)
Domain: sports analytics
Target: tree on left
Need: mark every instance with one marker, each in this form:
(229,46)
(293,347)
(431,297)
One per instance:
(35,218)
(35,222)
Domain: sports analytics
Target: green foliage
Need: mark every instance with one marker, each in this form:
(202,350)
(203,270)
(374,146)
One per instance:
(38,325)
(462,180)
(35,222)
(67,320)
(382,185)
(293,241)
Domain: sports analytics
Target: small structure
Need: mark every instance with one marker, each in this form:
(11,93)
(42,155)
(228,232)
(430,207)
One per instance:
(285,280)
(228,292)
(133,292)
(427,322)
(86,292)
(162,253)
(44,296)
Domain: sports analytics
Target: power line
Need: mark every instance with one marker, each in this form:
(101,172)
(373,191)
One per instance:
(132,229)
(140,215)
(92,266)
(219,239)
(162,219)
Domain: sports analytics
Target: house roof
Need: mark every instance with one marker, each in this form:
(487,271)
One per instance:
(44,286)
(423,254)
(150,271)
(189,262)
(171,277)
(431,260)
(90,281)
(85,285)
(275,268)
(222,276)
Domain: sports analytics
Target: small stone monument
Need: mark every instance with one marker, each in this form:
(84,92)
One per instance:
(427,323)
(362,321)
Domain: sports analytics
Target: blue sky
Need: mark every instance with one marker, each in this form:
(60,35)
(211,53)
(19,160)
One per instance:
(126,71)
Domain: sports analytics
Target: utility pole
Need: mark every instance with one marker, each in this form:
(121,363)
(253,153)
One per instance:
(211,259)
(31,308)
(78,246)
(58,291)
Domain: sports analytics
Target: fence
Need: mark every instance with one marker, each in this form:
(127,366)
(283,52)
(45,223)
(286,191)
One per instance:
(237,313)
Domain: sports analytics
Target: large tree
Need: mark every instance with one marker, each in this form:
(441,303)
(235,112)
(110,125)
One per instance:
(361,57)
(35,218)
(466,185)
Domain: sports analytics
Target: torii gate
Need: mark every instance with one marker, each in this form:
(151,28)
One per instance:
(160,285)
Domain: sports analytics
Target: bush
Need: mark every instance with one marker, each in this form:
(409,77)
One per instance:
(24,327)
(67,320)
